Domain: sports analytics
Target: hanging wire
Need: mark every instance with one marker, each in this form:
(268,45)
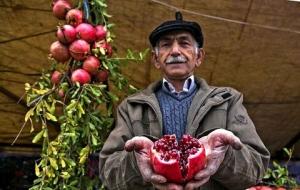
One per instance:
(86,9)
(226,19)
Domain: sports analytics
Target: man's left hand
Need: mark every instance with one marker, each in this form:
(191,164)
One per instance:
(216,145)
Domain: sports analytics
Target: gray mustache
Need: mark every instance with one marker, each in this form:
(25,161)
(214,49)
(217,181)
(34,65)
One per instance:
(176,59)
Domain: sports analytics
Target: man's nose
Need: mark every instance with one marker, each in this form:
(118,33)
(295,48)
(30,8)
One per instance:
(175,49)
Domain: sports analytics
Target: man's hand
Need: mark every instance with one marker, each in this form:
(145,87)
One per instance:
(216,145)
(141,147)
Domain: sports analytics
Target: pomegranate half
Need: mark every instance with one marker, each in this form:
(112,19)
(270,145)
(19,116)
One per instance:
(177,161)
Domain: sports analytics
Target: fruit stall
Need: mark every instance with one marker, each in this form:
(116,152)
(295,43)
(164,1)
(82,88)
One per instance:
(49,50)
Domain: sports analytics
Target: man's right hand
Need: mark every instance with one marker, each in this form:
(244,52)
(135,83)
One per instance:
(141,147)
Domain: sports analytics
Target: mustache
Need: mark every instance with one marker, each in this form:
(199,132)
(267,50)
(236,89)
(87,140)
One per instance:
(176,59)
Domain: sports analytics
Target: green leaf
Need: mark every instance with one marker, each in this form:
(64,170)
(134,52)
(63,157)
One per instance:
(51,117)
(53,163)
(38,136)
(29,114)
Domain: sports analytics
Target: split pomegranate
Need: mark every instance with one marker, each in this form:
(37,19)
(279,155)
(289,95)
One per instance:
(60,9)
(100,32)
(81,76)
(59,52)
(102,76)
(86,32)
(55,77)
(74,17)
(79,49)
(91,64)
(177,161)
(66,34)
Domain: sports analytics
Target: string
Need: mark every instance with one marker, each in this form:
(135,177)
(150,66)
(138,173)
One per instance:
(226,19)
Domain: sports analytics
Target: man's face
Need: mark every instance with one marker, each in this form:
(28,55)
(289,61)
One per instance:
(176,55)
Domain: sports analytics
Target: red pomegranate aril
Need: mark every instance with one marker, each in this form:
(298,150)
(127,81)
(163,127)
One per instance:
(60,9)
(91,64)
(177,161)
(86,32)
(79,49)
(66,34)
(59,52)
(81,76)
(74,17)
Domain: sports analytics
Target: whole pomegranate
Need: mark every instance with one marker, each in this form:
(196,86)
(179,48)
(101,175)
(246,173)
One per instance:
(74,17)
(100,32)
(66,34)
(86,32)
(79,49)
(91,64)
(60,9)
(59,52)
(55,77)
(102,76)
(61,93)
(81,76)
(177,161)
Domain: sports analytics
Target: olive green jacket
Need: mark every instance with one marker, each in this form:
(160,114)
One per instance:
(211,108)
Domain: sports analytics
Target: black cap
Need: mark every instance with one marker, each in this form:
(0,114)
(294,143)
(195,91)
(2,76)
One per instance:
(178,24)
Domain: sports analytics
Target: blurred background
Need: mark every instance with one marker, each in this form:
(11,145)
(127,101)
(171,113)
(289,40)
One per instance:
(251,45)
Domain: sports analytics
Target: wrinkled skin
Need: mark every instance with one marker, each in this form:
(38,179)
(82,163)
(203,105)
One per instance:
(216,145)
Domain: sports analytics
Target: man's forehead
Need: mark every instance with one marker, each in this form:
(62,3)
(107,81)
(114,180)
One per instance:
(177,35)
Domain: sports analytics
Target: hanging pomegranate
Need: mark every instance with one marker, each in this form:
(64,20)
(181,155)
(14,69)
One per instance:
(66,34)
(74,17)
(86,32)
(60,9)
(79,49)
(59,52)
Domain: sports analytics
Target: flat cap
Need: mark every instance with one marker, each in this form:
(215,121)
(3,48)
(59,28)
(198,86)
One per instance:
(177,24)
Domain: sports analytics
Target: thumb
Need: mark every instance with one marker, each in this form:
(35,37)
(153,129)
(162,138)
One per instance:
(137,143)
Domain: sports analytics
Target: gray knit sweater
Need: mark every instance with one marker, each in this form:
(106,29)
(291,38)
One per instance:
(174,108)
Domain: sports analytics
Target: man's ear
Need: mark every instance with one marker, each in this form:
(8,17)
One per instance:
(200,56)
(154,59)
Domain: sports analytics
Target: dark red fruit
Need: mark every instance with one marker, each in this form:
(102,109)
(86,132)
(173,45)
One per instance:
(79,49)
(60,9)
(102,76)
(74,17)
(81,76)
(61,93)
(100,32)
(55,77)
(66,34)
(178,162)
(91,64)
(59,52)
(86,32)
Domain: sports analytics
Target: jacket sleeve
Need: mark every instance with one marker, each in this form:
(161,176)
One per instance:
(248,165)
(118,168)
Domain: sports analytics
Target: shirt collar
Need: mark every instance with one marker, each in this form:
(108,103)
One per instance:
(189,83)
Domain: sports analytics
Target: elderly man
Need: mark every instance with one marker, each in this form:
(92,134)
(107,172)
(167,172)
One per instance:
(180,104)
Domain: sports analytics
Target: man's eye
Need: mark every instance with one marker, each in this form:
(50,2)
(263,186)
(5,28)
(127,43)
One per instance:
(165,45)
(185,43)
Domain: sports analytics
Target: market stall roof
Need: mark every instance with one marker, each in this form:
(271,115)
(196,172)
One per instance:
(252,46)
